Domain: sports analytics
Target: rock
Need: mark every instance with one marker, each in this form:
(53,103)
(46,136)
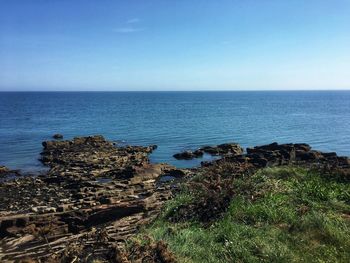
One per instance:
(230,149)
(258,161)
(154,147)
(63,207)
(57,136)
(275,154)
(90,183)
(4,169)
(307,156)
(213,150)
(50,210)
(92,154)
(222,149)
(299,153)
(8,173)
(188,155)
(43,209)
(177,173)
(35,209)
(302,147)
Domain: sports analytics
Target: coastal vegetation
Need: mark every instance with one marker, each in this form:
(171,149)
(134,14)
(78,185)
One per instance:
(281,214)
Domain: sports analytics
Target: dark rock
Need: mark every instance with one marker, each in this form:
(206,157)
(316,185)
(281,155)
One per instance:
(258,161)
(207,164)
(300,153)
(4,225)
(230,148)
(111,214)
(8,174)
(213,150)
(57,136)
(329,155)
(307,156)
(222,149)
(63,208)
(177,173)
(198,153)
(188,155)
(274,153)
(154,147)
(302,147)
(4,170)
(343,161)
(22,222)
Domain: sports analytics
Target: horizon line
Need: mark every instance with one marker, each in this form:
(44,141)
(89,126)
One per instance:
(209,90)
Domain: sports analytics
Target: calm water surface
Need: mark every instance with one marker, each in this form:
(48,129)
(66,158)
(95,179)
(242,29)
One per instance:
(173,120)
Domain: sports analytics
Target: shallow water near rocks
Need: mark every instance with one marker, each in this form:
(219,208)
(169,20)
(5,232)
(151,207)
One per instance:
(175,121)
(166,178)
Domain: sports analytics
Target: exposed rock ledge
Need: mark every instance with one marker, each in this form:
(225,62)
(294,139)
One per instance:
(91,186)
(275,154)
(226,149)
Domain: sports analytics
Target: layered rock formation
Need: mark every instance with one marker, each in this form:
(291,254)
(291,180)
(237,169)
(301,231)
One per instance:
(92,186)
(226,149)
(275,154)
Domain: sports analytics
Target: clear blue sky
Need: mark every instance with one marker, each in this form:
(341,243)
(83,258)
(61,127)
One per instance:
(174,45)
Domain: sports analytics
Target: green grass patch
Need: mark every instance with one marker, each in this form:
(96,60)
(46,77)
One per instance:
(285,214)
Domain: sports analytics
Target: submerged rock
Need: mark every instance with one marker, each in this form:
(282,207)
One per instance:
(57,136)
(188,155)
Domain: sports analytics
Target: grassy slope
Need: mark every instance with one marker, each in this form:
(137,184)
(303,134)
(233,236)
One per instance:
(285,214)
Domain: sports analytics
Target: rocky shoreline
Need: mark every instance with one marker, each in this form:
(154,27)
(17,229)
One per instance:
(96,195)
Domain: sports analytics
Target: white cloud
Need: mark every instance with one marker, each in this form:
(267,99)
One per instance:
(129,26)
(127,30)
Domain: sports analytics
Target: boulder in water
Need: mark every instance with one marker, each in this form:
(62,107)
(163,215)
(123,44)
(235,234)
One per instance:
(188,155)
(57,136)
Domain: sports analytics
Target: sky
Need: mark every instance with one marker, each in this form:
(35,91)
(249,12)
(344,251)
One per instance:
(174,45)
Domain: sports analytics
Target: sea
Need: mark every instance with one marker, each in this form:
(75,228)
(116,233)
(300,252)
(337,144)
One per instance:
(175,121)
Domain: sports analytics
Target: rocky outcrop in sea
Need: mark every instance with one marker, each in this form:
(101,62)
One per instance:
(226,149)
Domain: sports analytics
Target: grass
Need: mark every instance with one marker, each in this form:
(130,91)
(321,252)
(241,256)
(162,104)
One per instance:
(285,214)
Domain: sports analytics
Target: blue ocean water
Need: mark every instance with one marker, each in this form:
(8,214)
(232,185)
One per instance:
(175,121)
